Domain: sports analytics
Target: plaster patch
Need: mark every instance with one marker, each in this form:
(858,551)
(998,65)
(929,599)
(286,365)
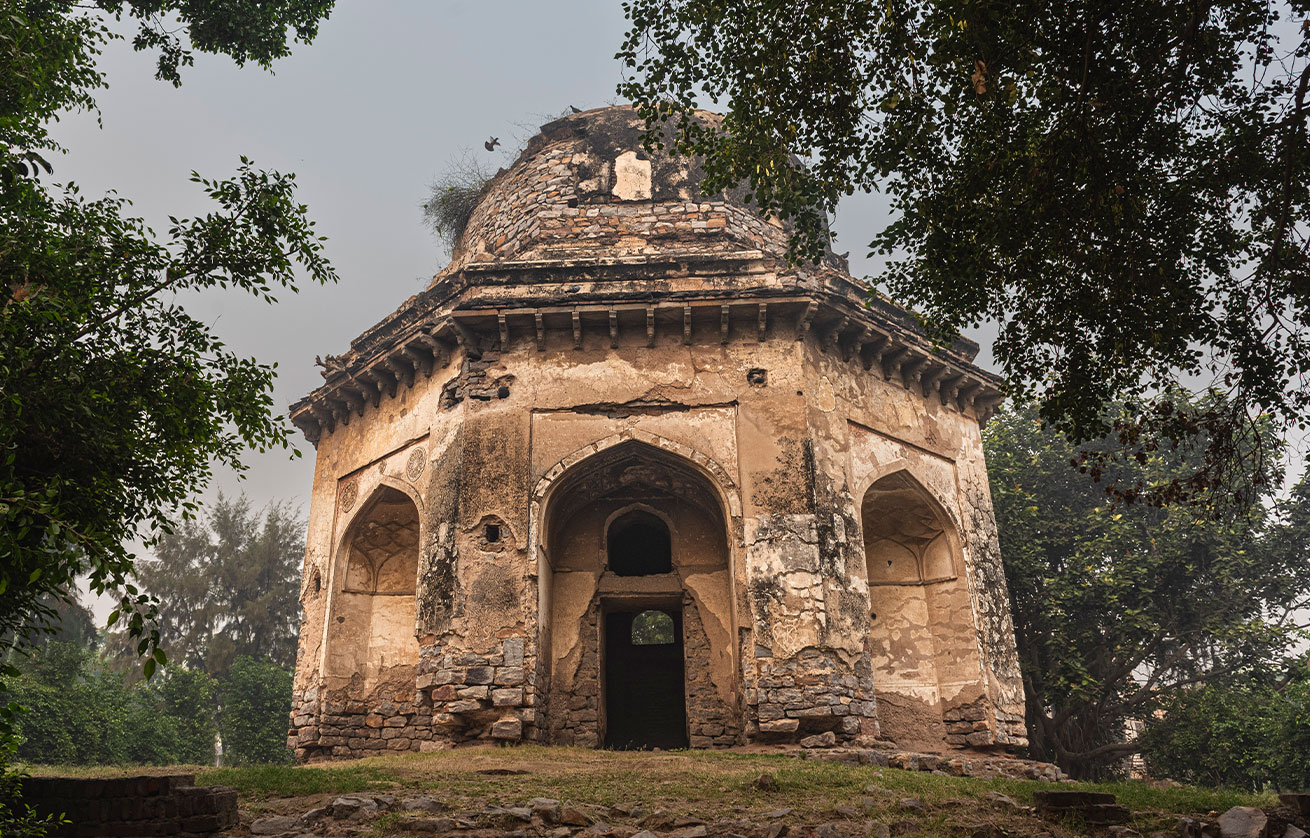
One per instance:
(631,177)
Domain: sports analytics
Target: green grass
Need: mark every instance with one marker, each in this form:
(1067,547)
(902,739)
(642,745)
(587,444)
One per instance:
(716,786)
(701,783)
(296,780)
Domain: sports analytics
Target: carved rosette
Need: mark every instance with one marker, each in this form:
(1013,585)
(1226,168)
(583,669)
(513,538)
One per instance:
(418,458)
(349,494)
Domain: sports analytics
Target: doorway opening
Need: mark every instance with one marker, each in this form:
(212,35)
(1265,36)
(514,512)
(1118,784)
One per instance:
(645,701)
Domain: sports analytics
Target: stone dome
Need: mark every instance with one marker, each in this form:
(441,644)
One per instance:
(585,185)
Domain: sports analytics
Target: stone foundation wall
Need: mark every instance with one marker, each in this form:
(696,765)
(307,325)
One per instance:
(389,719)
(575,715)
(814,692)
(480,696)
(171,805)
(711,721)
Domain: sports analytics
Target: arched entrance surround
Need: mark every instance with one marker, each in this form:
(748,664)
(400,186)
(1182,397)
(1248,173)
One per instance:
(575,507)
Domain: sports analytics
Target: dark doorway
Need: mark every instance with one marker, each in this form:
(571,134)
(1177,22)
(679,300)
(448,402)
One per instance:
(645,706)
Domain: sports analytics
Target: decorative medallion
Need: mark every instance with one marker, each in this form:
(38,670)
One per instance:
(417,459)
(349,494)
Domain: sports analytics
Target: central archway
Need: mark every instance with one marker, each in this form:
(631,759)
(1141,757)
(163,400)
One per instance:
(638,614)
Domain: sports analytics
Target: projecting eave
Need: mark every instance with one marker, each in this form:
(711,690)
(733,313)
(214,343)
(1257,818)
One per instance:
(700,298)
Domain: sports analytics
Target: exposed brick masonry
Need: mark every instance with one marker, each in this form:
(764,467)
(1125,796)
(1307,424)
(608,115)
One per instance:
(132,806)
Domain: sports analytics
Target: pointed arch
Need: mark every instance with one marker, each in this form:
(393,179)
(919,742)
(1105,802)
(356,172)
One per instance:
(373,586)
(728,494)
(909,537)
(588,584)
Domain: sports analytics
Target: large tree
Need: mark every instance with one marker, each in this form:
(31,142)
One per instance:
(1117,608)
(1123,187)
(228,585)
(115,401)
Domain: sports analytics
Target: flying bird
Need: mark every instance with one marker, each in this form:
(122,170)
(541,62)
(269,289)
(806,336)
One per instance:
(490,145)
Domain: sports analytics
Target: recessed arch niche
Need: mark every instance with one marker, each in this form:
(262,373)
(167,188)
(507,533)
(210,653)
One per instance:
(908,537)
(638,543)
(921,622)
(371,633)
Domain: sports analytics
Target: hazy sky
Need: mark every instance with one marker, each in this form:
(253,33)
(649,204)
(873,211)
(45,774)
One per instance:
(389,95)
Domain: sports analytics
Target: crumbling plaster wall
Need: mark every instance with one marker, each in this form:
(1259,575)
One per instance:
(787,615)
(877,427)
(683,402)
(392,444)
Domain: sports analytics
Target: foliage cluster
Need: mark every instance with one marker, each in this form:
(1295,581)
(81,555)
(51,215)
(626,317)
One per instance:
(229,612)
(1119,608)
(1251,734)
(256,700)
(452,198)
(79,710)
(227,584)
(116,401)
(1123,188)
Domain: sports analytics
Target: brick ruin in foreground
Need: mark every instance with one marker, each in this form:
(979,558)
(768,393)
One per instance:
(622,477)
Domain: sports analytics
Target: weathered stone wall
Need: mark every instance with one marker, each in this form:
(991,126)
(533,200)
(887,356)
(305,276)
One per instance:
(934,686)
(712,719)
(488,695)
(570,193)
(814,658)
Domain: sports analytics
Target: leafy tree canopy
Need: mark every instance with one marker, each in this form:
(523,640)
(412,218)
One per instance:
(256,700)
(1123,187)
(1117,608)
(115,402)
(228,585)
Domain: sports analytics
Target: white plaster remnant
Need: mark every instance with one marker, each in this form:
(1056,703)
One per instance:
(631,177)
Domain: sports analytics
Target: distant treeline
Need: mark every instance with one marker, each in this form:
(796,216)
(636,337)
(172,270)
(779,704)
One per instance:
(227,586)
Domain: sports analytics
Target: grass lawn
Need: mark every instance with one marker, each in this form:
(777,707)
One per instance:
(709,785)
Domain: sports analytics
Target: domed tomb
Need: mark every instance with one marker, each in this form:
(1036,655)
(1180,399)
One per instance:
(648,485)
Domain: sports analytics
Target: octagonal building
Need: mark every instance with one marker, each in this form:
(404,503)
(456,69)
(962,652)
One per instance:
(623,477)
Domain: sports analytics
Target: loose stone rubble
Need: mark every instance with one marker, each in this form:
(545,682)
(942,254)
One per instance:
(616,369)
(878,812)
(986,767)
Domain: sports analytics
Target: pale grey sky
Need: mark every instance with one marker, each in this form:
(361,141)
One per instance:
(387,96)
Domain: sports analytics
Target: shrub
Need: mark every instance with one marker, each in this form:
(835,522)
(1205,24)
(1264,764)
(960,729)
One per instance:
(80,712)
(1247,735)
(256,698)
(189,697)
(453,198)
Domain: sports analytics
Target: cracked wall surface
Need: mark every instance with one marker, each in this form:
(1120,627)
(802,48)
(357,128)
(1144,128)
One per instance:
(605,341)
